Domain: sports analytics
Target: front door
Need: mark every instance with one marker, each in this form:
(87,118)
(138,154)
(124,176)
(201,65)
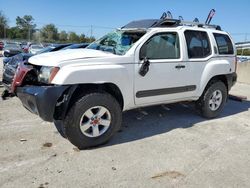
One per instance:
(167,74)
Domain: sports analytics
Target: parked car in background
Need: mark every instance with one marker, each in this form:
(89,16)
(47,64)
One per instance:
(1,45)
(34,49)
(10,64)
(12,60)
(11,49)
(25,46)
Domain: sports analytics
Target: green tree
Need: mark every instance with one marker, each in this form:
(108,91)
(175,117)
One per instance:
(49,33)
(73,37)
(63,36)
(245,52)
(3,25)
(14,33)
(26,26)
(82,38)
(90,39)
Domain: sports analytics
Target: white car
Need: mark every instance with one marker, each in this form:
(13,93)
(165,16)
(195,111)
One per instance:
(147,62)
(34,49)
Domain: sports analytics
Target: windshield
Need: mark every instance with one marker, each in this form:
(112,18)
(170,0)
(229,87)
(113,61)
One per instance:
(117,42)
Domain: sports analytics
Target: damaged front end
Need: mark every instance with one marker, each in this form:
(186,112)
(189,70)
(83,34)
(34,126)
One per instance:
(32,86)
(16,75)
(42,100)
(25,74)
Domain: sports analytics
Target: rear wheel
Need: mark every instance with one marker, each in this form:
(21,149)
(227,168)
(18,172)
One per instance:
(212,101)
(93,120)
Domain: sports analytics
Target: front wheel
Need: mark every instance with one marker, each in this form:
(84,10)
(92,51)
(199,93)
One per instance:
(212,101)
(93,120)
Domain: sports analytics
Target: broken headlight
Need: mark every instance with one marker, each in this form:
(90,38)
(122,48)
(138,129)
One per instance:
(47,74)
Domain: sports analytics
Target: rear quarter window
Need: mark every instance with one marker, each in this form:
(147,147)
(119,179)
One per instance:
(224,44)
(197,43)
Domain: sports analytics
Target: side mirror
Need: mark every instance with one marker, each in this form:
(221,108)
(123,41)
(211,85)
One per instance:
(144,67)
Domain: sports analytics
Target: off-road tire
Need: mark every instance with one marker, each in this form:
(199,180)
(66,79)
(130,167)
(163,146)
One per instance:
(203,103)
(73,118)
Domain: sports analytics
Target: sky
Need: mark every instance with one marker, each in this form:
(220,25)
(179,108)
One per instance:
(104,15)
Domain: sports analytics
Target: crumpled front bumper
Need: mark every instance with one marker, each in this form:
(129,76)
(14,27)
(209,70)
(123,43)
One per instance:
(41,100)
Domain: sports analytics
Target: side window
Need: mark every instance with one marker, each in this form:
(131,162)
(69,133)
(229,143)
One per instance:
(198,44)
(224,44)
(162,46)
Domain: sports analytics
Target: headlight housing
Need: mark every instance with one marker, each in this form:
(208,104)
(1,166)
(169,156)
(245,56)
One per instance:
(47,74)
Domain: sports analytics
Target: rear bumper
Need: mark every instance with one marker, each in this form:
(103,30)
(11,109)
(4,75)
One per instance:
(41,100)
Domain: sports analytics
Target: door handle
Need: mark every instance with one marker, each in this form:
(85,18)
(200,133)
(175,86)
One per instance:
(180,66)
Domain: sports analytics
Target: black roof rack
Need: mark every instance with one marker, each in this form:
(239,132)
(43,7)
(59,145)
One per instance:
(150,23)
(167,20)
(196,23)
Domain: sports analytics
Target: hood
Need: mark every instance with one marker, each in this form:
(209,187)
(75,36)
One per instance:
(55,58)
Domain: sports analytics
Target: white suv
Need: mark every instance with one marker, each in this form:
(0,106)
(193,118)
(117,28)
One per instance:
(146,62)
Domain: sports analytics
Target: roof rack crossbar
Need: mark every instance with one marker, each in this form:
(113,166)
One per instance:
(177,22)
(190,23)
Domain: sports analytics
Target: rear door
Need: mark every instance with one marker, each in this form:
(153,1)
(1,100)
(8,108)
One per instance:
(199,53)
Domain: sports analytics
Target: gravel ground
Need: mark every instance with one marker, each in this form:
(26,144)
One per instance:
(161,146)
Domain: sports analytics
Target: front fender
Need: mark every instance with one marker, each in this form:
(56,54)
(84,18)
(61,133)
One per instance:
(118,74)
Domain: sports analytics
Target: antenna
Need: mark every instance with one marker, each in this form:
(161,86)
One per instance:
(210,16)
